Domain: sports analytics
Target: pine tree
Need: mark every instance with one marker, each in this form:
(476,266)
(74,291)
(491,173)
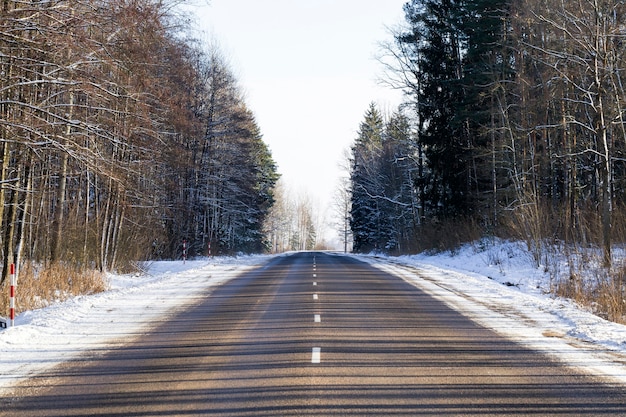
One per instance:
(383,206)
(398,169)
(487,67)
(366,214)
(457,58)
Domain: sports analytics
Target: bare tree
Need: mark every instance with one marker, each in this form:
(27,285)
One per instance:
(342,205)
(575,48)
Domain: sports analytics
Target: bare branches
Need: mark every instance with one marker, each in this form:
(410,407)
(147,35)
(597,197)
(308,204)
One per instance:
(102,104)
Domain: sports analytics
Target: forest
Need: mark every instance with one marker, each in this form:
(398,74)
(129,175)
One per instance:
(123,136)
(512,127)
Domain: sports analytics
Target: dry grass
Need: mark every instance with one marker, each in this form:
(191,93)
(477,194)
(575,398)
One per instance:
(600,294)
(41,286)
(566,245)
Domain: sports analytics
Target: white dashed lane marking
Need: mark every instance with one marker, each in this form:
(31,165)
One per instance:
(316,356)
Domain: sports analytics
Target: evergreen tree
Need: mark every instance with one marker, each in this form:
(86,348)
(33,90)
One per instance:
(487,67)
(398,168)
(437,45)
(366,213)
(455,51)
(383,207)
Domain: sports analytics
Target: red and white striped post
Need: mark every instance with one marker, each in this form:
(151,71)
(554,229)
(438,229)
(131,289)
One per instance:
(12,296)
(209,248)
(184,251)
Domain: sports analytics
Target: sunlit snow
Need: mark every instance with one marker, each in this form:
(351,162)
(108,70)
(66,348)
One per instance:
(467,281)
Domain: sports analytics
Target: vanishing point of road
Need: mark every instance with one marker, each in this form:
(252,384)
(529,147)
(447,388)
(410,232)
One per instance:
(314,334)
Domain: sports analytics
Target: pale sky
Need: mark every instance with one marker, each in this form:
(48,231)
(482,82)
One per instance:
(309,72)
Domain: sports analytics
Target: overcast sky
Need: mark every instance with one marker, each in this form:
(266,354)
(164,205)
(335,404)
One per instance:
(309,73)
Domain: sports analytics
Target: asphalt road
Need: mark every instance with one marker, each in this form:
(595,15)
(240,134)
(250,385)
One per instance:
(313,334)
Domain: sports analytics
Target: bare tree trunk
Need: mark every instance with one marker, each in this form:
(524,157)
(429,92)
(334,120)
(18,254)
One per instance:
(23,211)
(606,183)
(117,228)
(3,176)
(86,225)
(105,230)
(61,196)
(59,210)
(10,232)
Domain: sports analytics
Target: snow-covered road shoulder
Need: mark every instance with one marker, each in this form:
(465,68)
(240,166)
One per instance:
(508,296)
(44,338)
(523,312)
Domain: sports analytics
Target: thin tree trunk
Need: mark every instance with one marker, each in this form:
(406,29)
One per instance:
(86,225)
(23,211)
(117,228)
(9,234)
(59,214)
(105,229)
(3,176)
(607,201)
(57,229)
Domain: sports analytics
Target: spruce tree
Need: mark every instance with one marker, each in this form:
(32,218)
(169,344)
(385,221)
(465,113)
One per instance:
(457,52)
(366,213)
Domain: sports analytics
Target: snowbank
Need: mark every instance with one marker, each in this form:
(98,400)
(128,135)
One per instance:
(497,286)
(46,337)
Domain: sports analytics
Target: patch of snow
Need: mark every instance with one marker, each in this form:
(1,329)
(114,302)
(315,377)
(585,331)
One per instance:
(46,337)
(496,285)
(510,296)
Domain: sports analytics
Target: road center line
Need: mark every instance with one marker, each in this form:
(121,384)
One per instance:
(316,356)
(315,296)
(318,318)
(315,283)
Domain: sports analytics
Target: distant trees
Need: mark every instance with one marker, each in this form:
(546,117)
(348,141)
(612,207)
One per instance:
(121,136)
(342,207)
(292,223)
(383,209)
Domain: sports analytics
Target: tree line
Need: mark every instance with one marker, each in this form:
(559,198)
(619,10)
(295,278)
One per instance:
(293,223)
(515,126)
(121,136)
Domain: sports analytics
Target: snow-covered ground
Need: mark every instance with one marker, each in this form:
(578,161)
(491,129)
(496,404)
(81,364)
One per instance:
(44,338)
(498,286)
(469,280)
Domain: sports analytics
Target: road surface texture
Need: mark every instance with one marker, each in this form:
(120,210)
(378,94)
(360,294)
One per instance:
(313,334)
